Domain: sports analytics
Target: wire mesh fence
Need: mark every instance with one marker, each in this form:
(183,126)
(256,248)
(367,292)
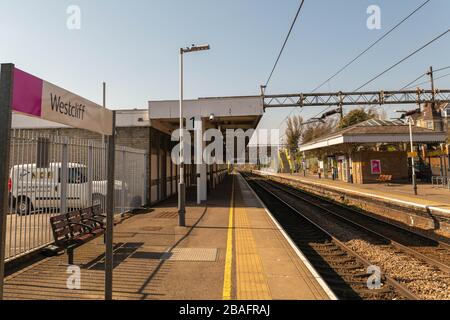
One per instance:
(50,175)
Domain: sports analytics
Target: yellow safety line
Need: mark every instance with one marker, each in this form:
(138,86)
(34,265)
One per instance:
(251,281)
(229,255)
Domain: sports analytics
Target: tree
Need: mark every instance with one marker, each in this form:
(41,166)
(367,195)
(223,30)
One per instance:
(318,129)
(357,116)
(294,132)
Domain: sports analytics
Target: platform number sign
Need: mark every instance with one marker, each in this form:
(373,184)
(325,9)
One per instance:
(194,123)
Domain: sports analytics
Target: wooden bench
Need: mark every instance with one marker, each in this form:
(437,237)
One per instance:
(385,178)
(76,228)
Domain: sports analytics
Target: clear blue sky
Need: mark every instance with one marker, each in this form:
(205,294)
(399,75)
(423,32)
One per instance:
(133,46)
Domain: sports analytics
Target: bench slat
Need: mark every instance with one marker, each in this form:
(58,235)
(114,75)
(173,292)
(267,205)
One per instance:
(77,227)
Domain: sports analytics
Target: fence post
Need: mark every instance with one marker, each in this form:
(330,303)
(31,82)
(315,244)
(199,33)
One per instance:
(110,213)
(64,175)
(147,178)
(122,192)
(90,171)
(6,96)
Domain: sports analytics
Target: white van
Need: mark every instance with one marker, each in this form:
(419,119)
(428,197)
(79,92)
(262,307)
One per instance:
(34,189)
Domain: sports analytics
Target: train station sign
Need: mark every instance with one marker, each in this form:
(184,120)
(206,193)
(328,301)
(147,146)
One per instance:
(38,98)
(24,93)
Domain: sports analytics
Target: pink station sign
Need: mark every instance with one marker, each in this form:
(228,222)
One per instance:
(38,98)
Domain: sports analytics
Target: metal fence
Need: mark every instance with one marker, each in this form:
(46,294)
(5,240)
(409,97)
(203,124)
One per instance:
(440,182)
(53,174)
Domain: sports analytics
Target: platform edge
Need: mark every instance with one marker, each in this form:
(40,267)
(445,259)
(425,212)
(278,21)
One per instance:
(306,262)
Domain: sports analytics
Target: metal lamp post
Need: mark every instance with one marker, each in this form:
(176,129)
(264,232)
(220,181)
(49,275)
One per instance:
(181,185)
(414,181)
(408,115)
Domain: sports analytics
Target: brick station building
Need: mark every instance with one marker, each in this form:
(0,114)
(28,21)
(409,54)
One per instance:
(363,152)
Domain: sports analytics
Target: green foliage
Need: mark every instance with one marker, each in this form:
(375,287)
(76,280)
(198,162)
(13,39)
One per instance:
(316,130)
(356,116)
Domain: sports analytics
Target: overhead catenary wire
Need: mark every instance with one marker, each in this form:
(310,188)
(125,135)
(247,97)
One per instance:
(395,65)
(357,57)
(428,81)
(441,69)
(410,85)
(285,42)
(406,87)
(414,81)
(404,59)
(371,46)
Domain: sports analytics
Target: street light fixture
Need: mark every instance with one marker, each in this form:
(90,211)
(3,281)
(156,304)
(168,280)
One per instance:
(194,48)
(408,115)
(181,185)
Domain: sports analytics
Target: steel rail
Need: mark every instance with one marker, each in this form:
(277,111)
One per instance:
(414,253)
(401,289)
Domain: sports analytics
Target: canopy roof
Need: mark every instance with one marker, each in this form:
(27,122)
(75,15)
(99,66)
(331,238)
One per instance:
(376,131)
(239,112)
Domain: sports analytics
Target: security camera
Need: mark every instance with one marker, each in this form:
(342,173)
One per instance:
(211,117)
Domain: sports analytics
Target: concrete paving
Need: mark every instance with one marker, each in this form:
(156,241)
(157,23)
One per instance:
(230,249)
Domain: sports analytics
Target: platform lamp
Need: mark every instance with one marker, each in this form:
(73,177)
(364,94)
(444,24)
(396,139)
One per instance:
(182,186)
(408,116)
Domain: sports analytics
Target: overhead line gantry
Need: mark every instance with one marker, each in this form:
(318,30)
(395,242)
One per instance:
(367,98)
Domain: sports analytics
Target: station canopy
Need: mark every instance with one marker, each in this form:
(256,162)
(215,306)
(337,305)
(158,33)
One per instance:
(376,131)
(239,112)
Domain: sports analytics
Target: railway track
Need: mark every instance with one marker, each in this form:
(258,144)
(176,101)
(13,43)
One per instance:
(421,264)
(344,270)
(431,251)
(434,252)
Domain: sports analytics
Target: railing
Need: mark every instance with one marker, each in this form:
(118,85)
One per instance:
(51,174)
(440,182)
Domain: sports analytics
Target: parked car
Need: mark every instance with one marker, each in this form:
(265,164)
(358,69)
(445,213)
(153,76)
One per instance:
(35,189)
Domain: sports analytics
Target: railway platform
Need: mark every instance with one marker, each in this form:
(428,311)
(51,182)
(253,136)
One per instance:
(231,249)
(429,210)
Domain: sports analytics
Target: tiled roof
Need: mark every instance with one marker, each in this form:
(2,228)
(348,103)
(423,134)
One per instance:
(376,126)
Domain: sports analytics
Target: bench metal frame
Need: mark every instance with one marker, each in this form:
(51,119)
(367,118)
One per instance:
(86,226)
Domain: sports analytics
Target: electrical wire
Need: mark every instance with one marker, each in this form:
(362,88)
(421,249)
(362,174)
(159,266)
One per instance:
(428,81)
(359,56)
(403,60)
(285,42)
(371,46)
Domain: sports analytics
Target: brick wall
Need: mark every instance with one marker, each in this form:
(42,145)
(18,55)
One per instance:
(392,163)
